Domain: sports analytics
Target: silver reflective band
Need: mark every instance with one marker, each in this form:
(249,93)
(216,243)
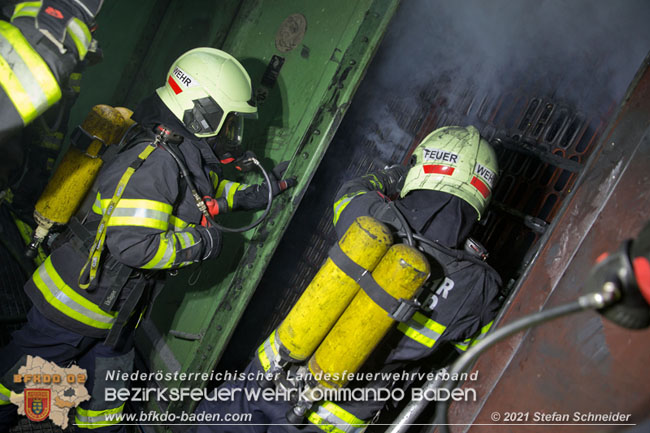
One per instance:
(422,329)
(141,213)
(80,35)
(24,75)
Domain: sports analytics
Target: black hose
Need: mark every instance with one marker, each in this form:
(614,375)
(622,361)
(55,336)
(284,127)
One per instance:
(264,214)
(440,419)
(402,220)
(203,208)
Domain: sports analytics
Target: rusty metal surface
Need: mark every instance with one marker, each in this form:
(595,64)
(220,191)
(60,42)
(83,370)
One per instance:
(581,363)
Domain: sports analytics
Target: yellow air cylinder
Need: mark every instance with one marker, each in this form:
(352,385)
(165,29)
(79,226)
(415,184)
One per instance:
(331,290)
(363,324)
(126,115)
(77,171)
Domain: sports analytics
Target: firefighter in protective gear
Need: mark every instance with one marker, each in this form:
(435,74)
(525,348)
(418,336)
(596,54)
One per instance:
(44,46)
(98,280)
(39,48)
(443,193)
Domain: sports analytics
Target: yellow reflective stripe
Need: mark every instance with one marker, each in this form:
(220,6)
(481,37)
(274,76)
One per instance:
(342,413)
(146,221)
(177,224)
(166,253)
(342,203)
(186,240)
(24,75)
(466,344)
(92,419)
(227,189)
(52,141)
(5,395)
(422,329)
(322,423)
(80,35)
(272,343)
(264,359)
(62,297)
(330,417)
(97,205)
(267,351)
(26,9)
(215,180)
(375,182)
(75,81)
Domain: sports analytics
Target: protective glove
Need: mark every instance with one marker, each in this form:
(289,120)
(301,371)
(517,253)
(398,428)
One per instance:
(392,178)
(279,185)
(211,239)
(215,206)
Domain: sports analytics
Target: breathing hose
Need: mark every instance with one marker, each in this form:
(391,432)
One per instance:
(204,209)
(402,220)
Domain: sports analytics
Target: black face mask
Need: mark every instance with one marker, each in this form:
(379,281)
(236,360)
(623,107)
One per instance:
(227,145)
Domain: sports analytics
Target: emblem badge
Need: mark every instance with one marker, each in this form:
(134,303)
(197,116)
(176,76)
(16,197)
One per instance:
(37,404)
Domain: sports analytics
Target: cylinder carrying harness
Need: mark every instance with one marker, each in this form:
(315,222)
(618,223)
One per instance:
(115,274)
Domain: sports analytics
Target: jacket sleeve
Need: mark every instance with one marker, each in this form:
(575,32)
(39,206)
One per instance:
(42,44)
(238,196)
(142,232)
(480,321)
(359,196)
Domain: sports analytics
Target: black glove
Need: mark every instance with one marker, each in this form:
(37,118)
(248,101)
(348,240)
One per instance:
(392,179)
(211,238)
(278,184)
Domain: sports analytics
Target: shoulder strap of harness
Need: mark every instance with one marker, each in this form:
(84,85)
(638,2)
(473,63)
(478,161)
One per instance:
(89,271)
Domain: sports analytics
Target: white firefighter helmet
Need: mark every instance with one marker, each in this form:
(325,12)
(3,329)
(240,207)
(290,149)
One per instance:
(455,160)
(206,89)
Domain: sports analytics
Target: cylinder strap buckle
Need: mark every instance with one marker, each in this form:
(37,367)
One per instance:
(82,139)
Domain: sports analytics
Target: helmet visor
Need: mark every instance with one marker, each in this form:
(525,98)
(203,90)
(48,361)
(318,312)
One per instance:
(204,117)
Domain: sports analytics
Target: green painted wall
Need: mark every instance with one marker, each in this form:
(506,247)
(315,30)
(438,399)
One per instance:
(325,48)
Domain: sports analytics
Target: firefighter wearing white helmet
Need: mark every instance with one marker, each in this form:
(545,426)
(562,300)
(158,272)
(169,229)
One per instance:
(147,219)
(455,160)
(436,203)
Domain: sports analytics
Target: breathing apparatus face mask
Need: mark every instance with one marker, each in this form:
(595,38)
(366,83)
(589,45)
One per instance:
(205,117)
(227,144)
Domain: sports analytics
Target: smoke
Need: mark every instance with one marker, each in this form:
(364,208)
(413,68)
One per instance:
(582,52)
(585,50)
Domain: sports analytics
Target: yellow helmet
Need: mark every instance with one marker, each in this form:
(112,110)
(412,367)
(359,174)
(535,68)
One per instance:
(204,86)
(455,160)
